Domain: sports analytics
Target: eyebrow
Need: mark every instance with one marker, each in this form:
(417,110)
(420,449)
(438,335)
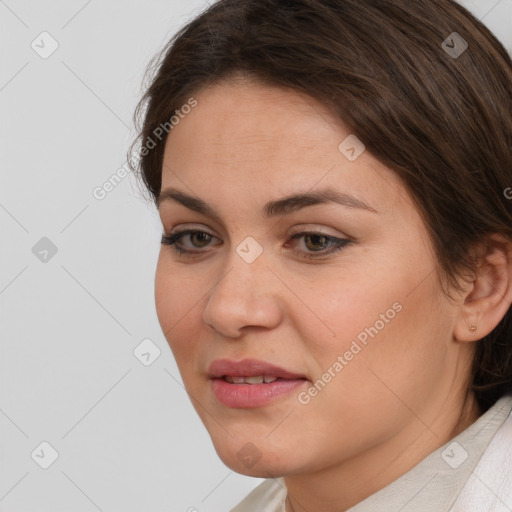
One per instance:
(274,208)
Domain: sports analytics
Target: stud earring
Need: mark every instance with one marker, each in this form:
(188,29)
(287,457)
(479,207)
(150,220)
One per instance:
(472,328)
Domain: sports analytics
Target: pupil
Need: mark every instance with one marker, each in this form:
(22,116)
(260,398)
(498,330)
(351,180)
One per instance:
(201,237)
(317,240)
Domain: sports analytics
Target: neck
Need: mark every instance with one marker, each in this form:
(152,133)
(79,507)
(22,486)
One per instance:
(339,487)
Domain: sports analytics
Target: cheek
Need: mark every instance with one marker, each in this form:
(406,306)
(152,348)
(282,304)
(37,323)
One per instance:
(386,351)
(340,306)
(380,330)
(177,300)
(166,300)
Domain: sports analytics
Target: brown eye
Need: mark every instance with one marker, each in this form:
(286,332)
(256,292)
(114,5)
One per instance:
(190,241)
(201,238)
(315,242)
(311,244)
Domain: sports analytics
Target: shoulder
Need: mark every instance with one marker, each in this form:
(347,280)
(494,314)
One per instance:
(269,496)
(489,487)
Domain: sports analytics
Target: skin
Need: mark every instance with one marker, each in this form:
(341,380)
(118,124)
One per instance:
(404,394)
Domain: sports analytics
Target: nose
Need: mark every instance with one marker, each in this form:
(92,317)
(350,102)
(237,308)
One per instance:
(245,296)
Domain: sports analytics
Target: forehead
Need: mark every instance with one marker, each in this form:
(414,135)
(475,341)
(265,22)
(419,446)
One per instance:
(247,140)
(242,119)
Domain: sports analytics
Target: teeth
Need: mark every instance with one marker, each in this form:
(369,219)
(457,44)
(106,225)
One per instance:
(258,379)
(254,380)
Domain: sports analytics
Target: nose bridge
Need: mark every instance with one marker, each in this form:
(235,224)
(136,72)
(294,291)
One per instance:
(246,278)
(246,270)
(245,294)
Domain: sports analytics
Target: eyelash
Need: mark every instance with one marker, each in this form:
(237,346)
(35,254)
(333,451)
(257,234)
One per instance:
(339,243)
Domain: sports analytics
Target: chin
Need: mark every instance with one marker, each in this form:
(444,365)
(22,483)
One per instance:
(247,458)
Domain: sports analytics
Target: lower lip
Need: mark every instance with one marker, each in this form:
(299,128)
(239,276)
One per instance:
(245,396)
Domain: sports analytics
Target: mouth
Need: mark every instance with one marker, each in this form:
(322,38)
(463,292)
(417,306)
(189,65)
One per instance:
(251,383)
(257,379)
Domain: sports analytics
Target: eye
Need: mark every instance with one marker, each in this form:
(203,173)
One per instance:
(315,241)
(318,244)
(197,240)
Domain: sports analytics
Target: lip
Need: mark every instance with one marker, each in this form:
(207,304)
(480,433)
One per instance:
(249,368)
(246,396)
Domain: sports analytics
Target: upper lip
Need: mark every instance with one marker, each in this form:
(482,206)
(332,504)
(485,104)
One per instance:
(248,368)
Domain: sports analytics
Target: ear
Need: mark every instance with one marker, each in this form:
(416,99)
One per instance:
(488,295)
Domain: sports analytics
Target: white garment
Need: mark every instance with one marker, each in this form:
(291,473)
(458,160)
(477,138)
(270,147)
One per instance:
(489,486)
(470,473)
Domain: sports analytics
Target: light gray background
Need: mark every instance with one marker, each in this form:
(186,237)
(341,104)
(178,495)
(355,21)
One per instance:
(126,435)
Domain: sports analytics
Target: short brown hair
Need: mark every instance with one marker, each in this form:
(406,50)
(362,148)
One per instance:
(442,122)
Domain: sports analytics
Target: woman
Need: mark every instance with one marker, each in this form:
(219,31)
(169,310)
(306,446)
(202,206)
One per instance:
(335,277)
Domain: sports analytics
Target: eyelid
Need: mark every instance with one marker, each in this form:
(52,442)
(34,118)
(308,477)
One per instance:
(314,229)
(192,227)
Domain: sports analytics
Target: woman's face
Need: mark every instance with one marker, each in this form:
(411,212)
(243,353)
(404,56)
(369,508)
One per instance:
(310,256)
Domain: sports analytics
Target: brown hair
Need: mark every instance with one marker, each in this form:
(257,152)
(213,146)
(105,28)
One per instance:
(442,122)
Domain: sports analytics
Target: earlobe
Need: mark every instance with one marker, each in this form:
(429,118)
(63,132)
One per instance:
(472,328)
(489,295)
(468,327)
